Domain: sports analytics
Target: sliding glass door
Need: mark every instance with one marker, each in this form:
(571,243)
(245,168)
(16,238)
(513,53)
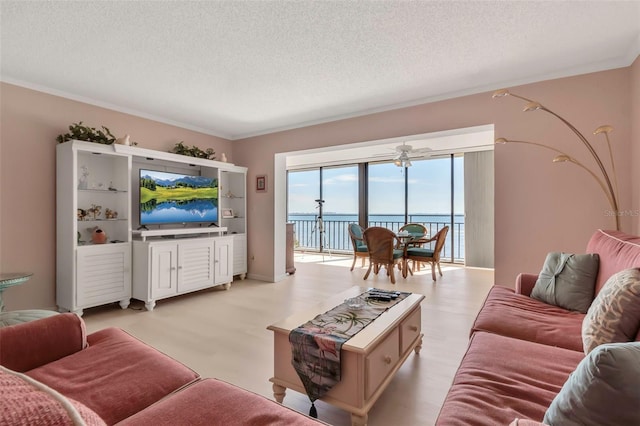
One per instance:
(430,192)
(322,202)
(387,195)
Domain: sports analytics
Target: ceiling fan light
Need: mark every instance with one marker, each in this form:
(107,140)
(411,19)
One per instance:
(407,163)
(397,162)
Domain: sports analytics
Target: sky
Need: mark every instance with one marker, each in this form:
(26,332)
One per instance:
(429,183)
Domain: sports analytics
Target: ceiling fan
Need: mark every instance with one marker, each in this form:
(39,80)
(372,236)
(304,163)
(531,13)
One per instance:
(406,152)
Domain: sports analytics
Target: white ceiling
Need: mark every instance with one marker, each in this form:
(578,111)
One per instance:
(241,68)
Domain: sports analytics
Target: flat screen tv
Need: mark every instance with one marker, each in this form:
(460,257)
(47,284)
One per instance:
(177,198)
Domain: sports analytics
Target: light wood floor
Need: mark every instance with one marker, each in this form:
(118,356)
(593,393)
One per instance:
(223,334)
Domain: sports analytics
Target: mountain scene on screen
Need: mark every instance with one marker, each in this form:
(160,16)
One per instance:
(170,198)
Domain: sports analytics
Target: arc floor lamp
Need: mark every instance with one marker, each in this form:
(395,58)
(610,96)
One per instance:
(610,190)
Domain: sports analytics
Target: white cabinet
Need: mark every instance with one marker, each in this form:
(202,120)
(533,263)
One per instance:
(240,255)
(169,268)
(99,186)
(103,274)
(223,261)
(92,190)
(233,208)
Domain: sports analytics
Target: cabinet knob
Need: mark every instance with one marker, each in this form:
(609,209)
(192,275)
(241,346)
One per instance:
(387,359)
(173,268)
(180,267)
(413,327)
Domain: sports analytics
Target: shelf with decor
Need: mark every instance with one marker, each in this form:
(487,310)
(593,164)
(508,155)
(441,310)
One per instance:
(112,188)
(93,199)
(233,187)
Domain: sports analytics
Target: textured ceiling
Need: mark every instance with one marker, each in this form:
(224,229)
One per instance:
(241,68)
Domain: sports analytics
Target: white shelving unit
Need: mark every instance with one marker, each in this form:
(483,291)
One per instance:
(233,185)
(91,175)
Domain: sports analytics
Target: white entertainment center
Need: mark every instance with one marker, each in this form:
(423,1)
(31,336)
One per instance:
(98,186)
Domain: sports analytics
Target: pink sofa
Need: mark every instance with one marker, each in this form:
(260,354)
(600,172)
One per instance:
(110,378)
(521,350)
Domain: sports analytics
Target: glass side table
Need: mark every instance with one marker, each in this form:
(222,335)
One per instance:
(10,279)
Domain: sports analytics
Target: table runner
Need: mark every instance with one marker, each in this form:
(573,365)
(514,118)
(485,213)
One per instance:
(316,344)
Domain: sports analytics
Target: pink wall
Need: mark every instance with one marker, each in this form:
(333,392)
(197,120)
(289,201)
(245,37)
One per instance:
(635,141)
(31,121)
(540,206)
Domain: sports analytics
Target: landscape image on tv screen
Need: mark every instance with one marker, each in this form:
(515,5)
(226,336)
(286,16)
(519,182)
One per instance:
(177,198)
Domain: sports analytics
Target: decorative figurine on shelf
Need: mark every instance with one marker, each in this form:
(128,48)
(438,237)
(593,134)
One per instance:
(82,213)
(83,180)
(95,211)
(98,236)
(223,157)
(124,141)
(110,214)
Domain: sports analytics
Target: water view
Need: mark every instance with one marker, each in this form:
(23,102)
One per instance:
(337,239)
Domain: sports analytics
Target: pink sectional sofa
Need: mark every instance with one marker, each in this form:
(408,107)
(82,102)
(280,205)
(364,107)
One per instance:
(522,350)
(109,377)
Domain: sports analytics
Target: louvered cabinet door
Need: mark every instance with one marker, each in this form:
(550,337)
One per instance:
(195,264)
(102,274)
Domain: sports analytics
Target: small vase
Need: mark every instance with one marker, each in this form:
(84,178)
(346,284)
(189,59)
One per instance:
(98,236)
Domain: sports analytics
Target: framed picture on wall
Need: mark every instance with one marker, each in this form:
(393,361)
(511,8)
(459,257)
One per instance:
(227,213)
(261,183)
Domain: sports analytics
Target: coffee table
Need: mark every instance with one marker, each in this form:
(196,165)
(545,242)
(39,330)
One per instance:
(370,359)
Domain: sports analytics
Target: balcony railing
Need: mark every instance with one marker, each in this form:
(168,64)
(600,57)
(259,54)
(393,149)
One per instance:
(336,235)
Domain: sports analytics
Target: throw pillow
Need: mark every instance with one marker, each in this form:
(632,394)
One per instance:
(567,280)
(26,401)
(603,390)
(614,315)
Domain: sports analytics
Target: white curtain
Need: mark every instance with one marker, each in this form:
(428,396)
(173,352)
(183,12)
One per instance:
(479,209)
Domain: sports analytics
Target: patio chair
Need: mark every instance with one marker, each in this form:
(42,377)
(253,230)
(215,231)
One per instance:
(357,241)
(383,252)
(416,230)
(427,255)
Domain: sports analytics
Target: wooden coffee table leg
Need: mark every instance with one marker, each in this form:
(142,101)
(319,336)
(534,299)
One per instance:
(359,420)
(418,346)
(279,392)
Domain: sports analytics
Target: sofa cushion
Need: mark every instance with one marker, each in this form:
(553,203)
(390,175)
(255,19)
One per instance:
(501,378)
(603,390)
(116,376)
(617,251)
(211,402)
(519,316)
(35,343)
(614,315)
(567,280)
(25,401)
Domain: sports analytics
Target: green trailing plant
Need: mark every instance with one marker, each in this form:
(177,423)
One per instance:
(194,151)
(80,132)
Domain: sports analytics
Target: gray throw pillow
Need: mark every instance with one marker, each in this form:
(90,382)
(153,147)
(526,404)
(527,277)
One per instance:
(603,390)
(567,280)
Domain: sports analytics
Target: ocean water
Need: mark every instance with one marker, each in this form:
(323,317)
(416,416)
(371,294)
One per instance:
(336,235)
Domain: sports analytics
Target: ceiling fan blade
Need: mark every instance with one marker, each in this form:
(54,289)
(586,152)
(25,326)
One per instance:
(404,148)
(422,150)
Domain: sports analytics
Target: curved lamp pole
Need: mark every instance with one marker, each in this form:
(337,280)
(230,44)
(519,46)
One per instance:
(607,187)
